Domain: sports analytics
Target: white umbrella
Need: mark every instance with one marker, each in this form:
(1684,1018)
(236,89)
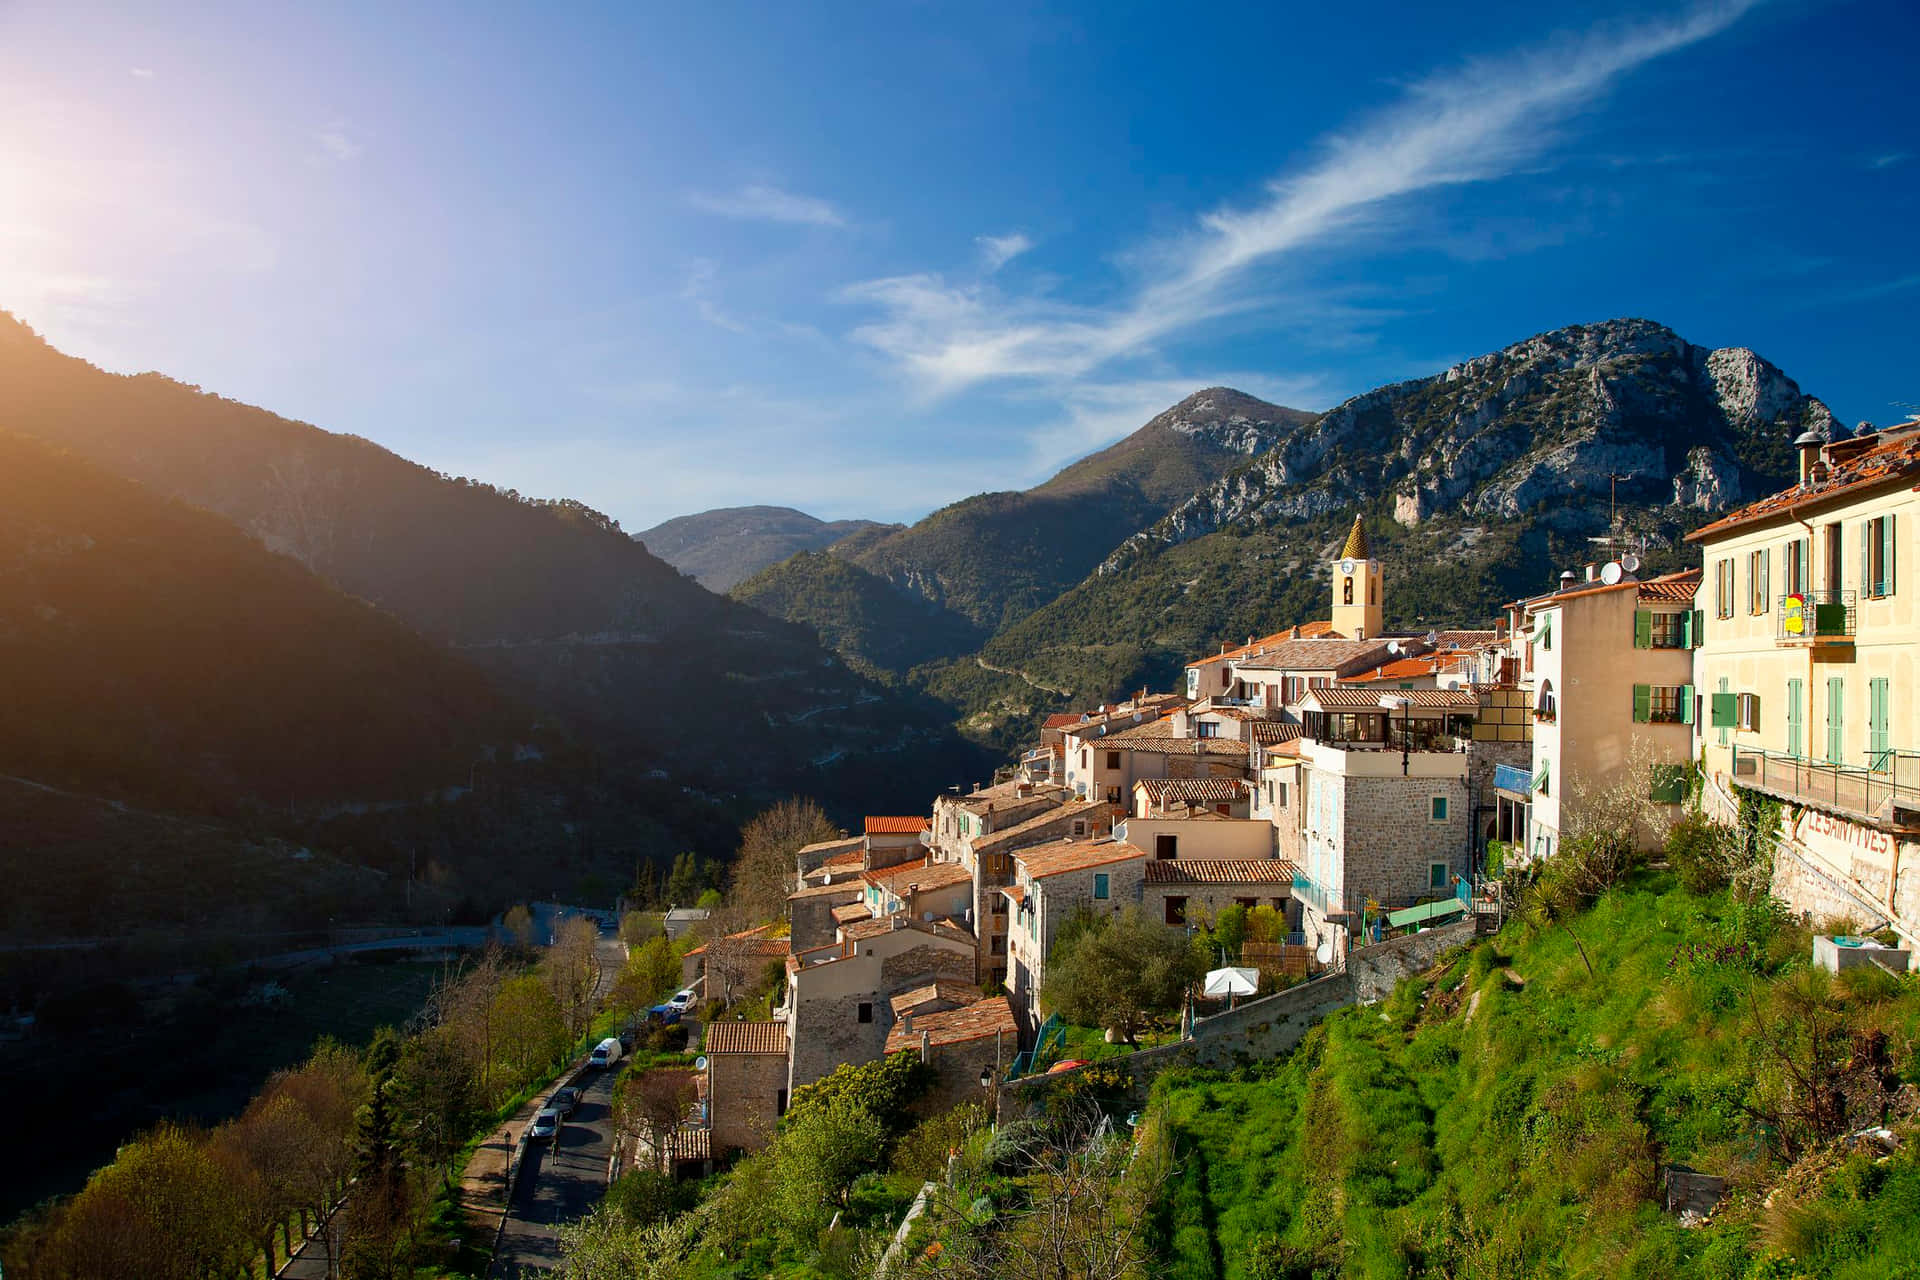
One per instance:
(1233,982)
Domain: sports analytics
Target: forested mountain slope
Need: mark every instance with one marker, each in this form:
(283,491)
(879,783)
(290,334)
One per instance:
(723,547)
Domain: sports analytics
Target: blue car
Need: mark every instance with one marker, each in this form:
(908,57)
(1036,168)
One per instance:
(665,1014)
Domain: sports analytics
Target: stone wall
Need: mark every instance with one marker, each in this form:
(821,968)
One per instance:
(745,1093)
(1389,837)
(810,915)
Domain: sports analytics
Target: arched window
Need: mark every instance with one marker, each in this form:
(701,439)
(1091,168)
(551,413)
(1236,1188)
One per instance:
(1373,591)
(1346,591)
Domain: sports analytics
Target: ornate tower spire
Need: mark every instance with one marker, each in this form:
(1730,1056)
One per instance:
(1359,592)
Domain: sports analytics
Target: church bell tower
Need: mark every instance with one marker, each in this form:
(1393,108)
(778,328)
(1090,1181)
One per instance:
(1358,593)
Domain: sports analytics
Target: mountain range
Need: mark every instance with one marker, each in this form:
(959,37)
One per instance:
(1217,519)
(722,547)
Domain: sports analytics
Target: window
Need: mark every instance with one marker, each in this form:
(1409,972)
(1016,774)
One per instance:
(1166,847)
(1436,875)
(1723,588)
(1113,759)
(1079,826)
(1759,564)
(1207,729)
(999,904)
(1176,911)
(1543,778)
(1662,630)
(1796,567)
(865,1013)
(1795,723)
(998,946)
(1876,557)
(1546,707)
(780,1102)
(1669,784)
(1663,704)
(1100,885)
(1279,790)
(1832,549)
(1746,712)
(1248,903)
(1437,808)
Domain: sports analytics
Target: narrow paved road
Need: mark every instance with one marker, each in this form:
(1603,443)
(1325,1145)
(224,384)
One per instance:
(559,1183)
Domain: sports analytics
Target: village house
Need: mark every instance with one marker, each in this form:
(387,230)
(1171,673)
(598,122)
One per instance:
(891,840)
(1195,818)
(1609,666)
(1183,891)
(962,1044)
(836,1009)
(1052,882)
(721,968)
(989,858)
(1107,768)
(746,1082)
(1807,659)
(811,919)
(812,856)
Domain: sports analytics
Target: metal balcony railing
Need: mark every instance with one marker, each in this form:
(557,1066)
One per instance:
(1815,617)
(1508,777)
(1305,890)
(1890,780)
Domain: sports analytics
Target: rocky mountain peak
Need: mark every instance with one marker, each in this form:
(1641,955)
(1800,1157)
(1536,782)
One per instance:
(1229,420)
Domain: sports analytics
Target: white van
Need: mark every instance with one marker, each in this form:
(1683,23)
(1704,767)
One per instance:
(605,1054)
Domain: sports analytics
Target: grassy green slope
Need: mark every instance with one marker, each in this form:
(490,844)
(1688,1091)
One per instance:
(1510,1114)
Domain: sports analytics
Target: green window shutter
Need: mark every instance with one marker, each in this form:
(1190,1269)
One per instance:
(1669,784)
(1642,629)
(1887,544)
(1806,564)
(1697,629)
(1546,631)
(1753,705)
(1543,778)
(1642,703)
(1836,719)
(1879,738)
(1724,710)
(1868,587)
(1793,718)
(1686,704)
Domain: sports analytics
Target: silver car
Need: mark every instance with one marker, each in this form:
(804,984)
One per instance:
(545,1126)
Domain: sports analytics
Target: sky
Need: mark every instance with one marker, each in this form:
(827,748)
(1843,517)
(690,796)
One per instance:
(866,260)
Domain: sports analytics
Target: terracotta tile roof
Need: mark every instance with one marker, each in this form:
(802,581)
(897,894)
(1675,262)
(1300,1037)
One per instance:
(1320,654)
(1265,871)
(1271,732)
(920,874)
(863,929)
(938,989)
(825,890)
(1138,711)
(1191,790)
(1062,720)
(759,933)
(1853,466)
(1466,639)
(1676,588)
(1016,892)
(746,1037)
(690,1144)
(851,912)
(895,826)
(1158,738)
(980,1021)
(1305,631)
(1343,699)
(1046,860)
(1008,792)
(831,847)
(1092,811)
(1232,713)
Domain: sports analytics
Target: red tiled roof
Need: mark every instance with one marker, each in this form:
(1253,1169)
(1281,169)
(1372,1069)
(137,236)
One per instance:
(746,1037)
(1191,790)
(690,1144)
(1271,732)
(1090,811)
(1016,892)
(1676,588)
(1061,720)
(1265,871)
(759,933)
(938,989)
(1341,698)
(1853,465)
(895,826)
(850,912)
(921,874)
(1399,669)
(979,1021)
(837,843)
(1046,860)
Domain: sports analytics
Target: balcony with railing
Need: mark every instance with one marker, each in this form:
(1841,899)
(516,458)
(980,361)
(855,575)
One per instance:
(1306,890)
(1872,792)
(1816,618)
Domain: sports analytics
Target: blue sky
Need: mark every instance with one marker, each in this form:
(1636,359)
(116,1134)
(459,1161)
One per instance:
(868,259)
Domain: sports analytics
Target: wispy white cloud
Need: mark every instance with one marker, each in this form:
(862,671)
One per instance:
(699,291)
(140,73)
(1888,159)
(998,251)
(1476,123)
(758,202)
(336,143)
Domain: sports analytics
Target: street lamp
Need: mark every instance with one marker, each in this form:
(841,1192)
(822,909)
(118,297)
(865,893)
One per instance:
(1394,702)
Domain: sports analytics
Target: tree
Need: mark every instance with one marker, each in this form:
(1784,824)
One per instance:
(164,1208)
(817,1157)
(1120,972)
(571,969)
(465,1001)
(687,881)
(650,1105)
(532,1033)
(652,972)
(885,1087)
(764,870)
(437,1090)
(380,1209)
(519,923)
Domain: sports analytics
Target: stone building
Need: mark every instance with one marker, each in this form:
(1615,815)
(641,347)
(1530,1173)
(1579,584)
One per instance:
(810,918)
(837,1008)
(1181,891)
(961,1043)
(746,1082)
(1051,883)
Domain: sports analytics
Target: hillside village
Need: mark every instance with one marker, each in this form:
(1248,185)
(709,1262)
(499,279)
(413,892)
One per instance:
(1361,783)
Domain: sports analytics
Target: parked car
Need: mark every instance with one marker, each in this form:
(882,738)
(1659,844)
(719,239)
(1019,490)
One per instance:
(564,1101)
(544,1126)
(665,1014)
(683,1000)
(605,1054)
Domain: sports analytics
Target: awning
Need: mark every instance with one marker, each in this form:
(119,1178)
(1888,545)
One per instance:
(1233,982)
(1424,912)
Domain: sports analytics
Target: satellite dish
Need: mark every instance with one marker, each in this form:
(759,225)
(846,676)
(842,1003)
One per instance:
(1393,647)
(1324,953)
(700,1063)
(1631,563)
(1433,638)
(1612,573)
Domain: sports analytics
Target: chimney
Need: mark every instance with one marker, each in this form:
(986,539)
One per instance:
(1808,442)
(1295,633)
(1567,579)
(1593,573)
